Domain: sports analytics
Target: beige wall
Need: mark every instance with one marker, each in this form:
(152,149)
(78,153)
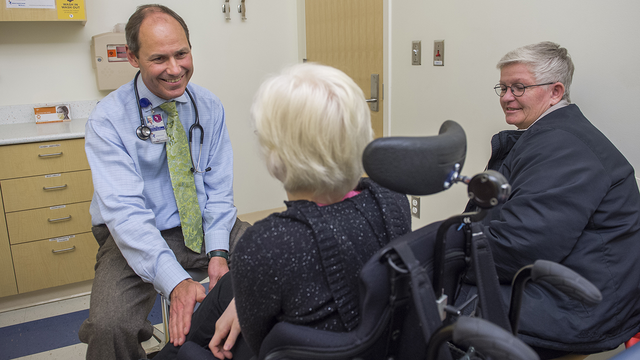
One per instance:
(51,62)
(601,36)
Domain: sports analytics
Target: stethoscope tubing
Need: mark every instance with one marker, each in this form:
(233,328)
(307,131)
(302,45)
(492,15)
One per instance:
(144,132)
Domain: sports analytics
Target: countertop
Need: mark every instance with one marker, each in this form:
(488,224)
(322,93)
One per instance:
(11,134)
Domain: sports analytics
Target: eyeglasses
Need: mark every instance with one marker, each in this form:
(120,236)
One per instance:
(517,89)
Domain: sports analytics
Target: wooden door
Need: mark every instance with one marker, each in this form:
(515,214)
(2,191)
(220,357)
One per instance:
(348,35)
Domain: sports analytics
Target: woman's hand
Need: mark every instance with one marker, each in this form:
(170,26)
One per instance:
(227,331)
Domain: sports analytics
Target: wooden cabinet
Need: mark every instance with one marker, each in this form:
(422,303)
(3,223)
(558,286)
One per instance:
(7,278)
(13,14)
(46,191)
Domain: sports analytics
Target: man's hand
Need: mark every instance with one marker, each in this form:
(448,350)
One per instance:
(227,331)
(183,299)
(217,267)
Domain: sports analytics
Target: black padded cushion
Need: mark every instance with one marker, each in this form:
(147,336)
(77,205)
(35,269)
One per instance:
(416,165)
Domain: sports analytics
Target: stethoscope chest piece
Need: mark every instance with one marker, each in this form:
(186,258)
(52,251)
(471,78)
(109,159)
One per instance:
(143,132)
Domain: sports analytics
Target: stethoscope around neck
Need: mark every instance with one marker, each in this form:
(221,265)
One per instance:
(144,132)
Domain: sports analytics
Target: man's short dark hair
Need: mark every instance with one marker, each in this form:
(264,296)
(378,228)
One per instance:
(132,30)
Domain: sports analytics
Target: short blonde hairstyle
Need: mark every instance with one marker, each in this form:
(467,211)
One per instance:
(547,61)
(313,124)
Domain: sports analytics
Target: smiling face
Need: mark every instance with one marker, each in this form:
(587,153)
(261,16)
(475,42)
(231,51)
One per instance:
(524,110)
(164,58)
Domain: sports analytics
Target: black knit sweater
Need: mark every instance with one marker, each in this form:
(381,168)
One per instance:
(302,265)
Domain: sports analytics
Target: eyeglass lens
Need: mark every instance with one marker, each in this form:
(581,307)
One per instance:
(517,89)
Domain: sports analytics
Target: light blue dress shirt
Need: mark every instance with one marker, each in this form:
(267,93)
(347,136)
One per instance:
(132,186)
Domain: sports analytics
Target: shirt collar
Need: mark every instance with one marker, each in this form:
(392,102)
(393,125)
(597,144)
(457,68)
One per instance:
(555,107)
(156,101)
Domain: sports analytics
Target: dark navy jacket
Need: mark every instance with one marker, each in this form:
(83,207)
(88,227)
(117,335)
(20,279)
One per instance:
(574,201)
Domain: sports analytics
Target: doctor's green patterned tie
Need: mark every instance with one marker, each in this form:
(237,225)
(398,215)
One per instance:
(184,187)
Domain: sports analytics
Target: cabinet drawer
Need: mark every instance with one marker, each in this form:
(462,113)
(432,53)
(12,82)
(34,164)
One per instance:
(47,263)
(43,158)
(46,223)
(7,277)
(48,190)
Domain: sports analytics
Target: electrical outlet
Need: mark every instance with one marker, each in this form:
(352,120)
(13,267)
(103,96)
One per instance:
(415,207)
(416,53)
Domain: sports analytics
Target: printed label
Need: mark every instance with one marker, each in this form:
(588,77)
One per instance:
(63,239)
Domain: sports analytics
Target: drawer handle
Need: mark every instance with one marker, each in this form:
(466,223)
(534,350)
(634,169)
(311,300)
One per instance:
(60,219)
(54,187)
(64,250)
(50,155)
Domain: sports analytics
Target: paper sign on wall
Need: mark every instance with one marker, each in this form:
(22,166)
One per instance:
(71,9)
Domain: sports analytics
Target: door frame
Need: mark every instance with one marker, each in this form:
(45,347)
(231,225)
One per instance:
(385,91)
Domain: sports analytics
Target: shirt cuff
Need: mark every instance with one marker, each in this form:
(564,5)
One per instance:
(168,276)
(217,240)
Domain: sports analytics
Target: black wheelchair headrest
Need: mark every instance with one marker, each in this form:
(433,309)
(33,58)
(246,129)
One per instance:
(416,165)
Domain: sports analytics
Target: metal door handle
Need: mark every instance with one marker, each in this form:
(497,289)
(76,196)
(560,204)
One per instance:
(64,250)
(54,187)
(373,102)
(50,155)
(60,219)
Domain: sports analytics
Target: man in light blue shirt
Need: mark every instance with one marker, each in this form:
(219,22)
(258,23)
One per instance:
(134,211)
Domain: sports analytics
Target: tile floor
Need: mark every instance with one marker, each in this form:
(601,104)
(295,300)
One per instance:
(45,324)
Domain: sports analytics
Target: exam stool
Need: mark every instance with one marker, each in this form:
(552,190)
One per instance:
(198,275)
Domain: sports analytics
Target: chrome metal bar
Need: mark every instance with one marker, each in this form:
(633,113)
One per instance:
(73,248)
(50,155)
(60,219)
(54,187)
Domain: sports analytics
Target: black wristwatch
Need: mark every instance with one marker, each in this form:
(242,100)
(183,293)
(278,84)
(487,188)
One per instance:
(218,253)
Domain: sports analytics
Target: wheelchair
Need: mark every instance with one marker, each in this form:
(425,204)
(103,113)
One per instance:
(406,286)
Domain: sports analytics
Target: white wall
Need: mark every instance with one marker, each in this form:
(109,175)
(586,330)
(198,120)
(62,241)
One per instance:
(51,62)
(601,36)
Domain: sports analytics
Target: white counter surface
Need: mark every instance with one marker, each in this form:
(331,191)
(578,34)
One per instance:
(31,132)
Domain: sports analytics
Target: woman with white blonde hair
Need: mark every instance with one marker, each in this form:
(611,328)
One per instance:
(313,124)
(302,265)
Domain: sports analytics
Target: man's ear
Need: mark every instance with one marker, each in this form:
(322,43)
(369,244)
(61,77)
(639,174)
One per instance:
(133,60)
(557,92)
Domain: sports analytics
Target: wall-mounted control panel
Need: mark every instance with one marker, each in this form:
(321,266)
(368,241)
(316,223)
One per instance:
(416,53)
(438,53)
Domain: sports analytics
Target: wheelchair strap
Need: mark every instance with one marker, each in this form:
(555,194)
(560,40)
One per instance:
(491,303)
(423,295)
